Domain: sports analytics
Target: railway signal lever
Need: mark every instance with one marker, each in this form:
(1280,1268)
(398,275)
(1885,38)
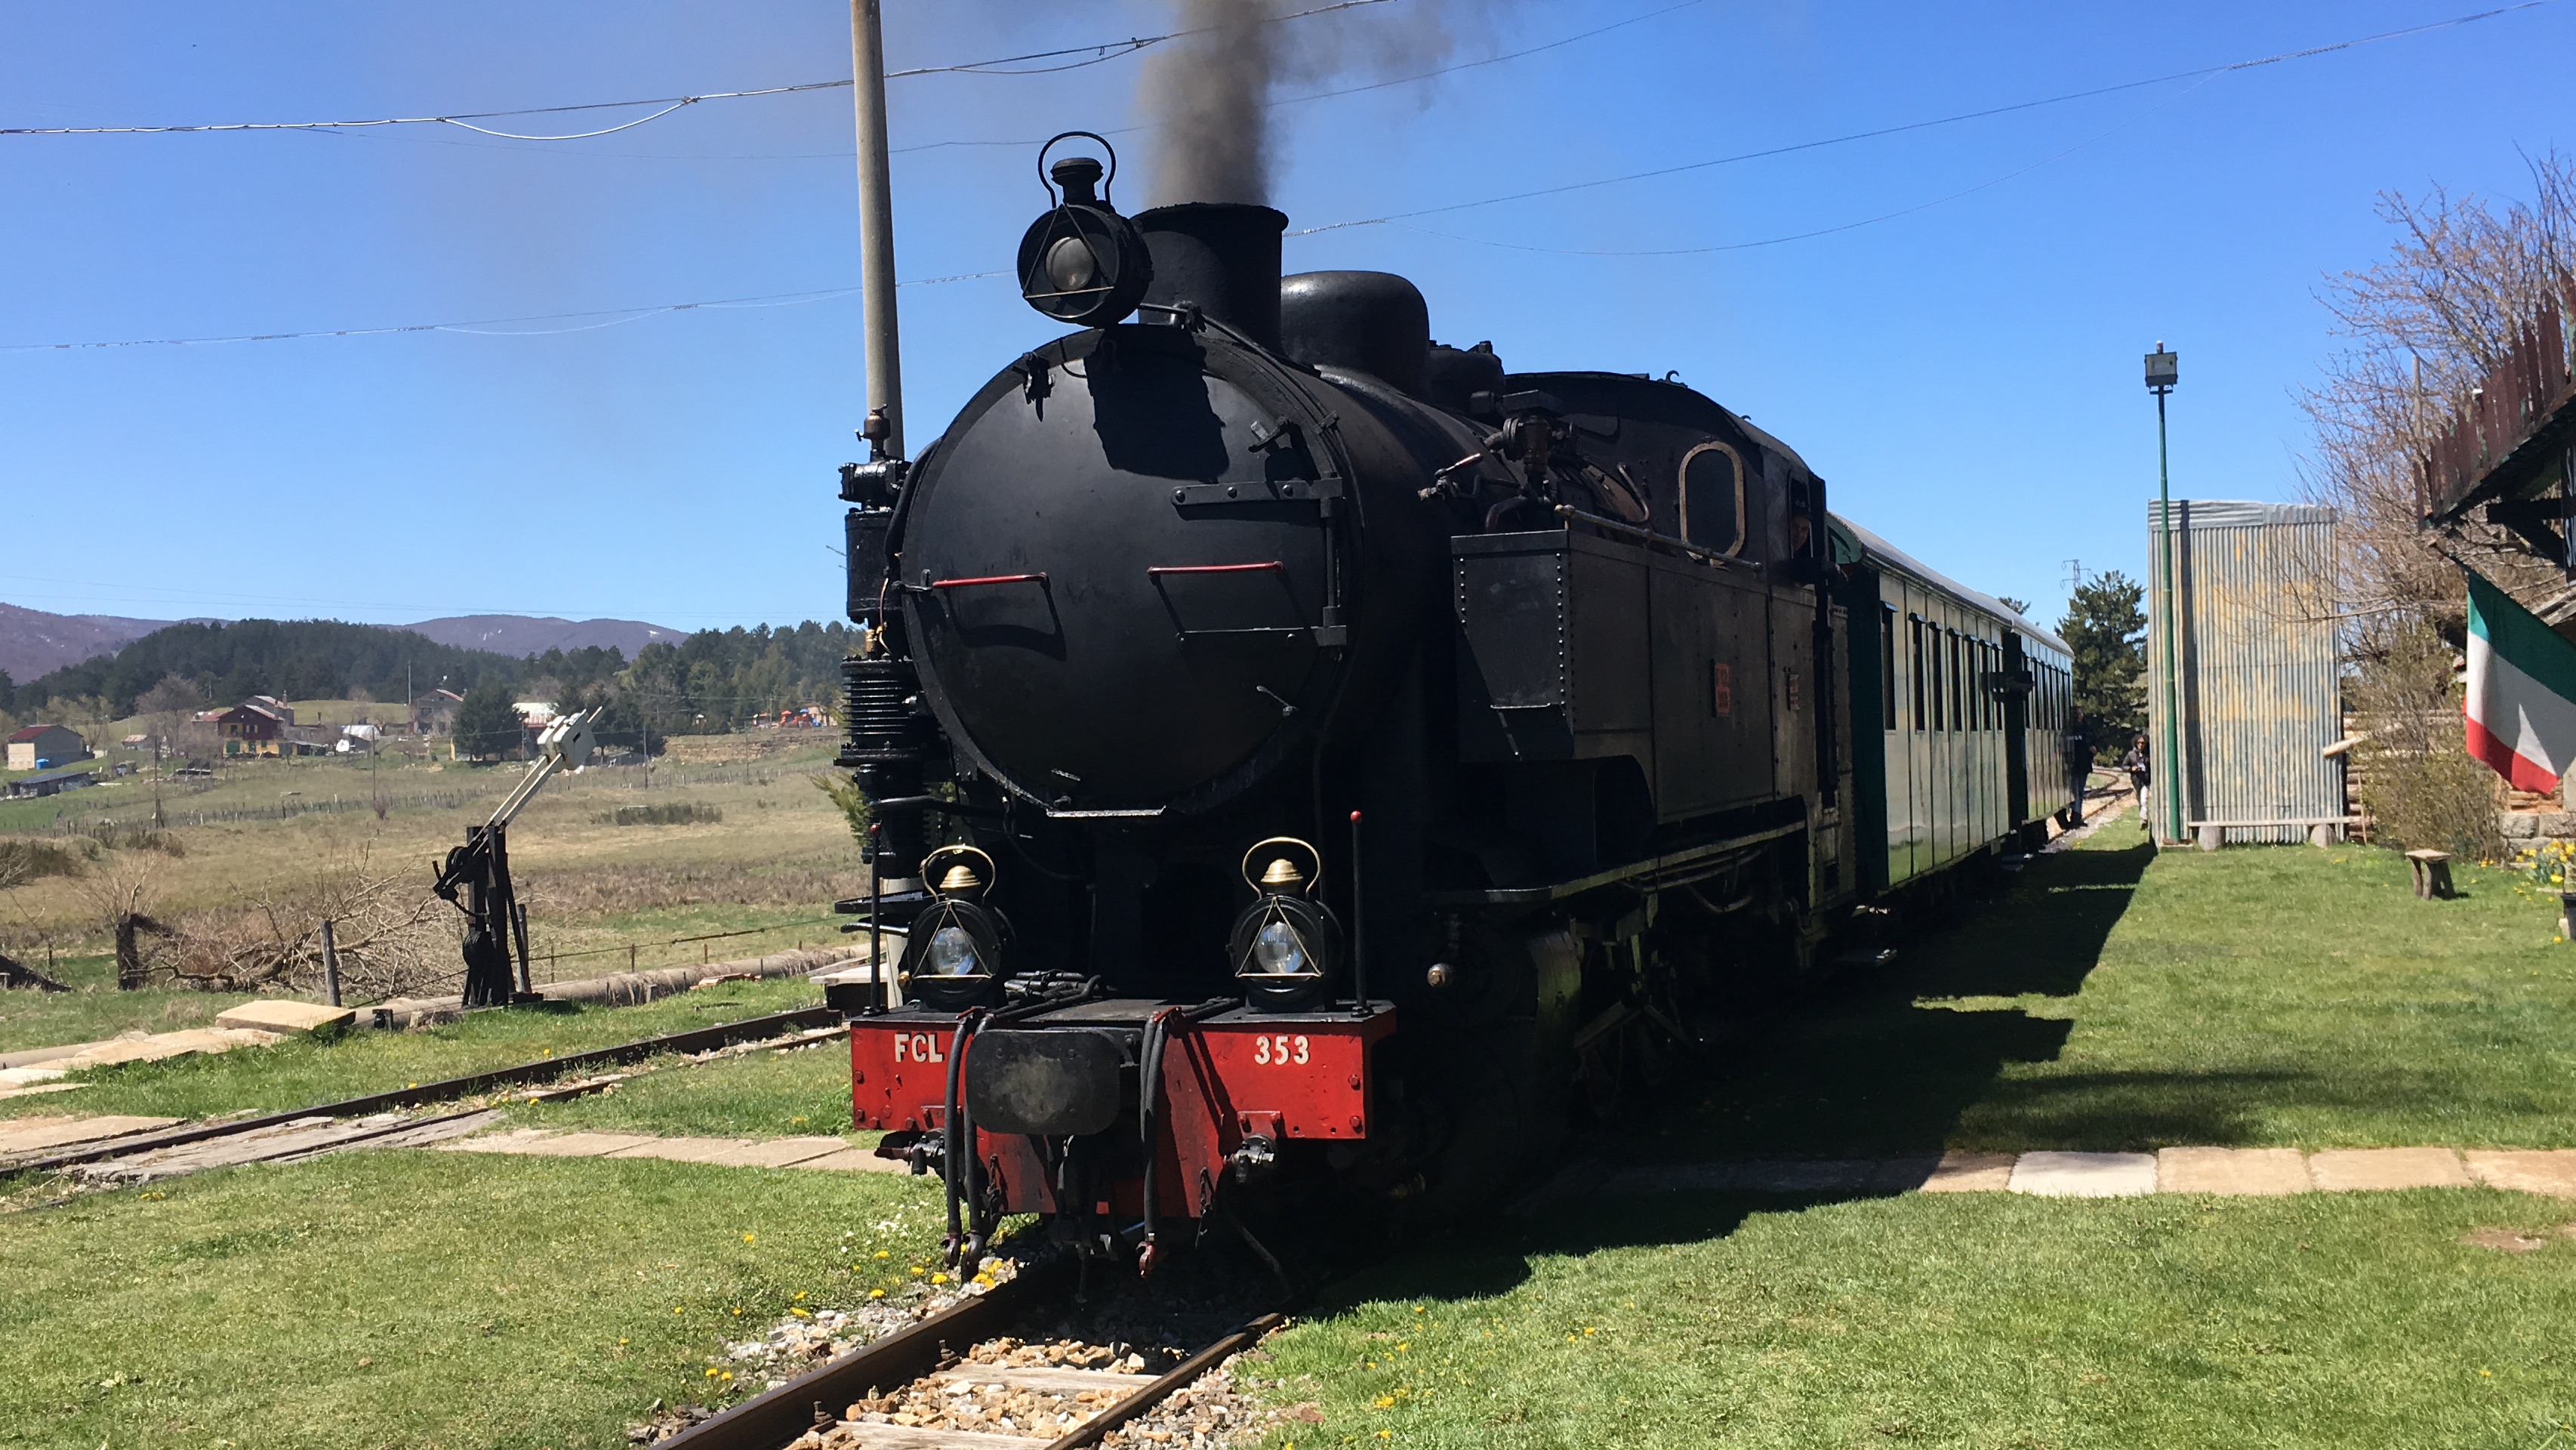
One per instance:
(479,872)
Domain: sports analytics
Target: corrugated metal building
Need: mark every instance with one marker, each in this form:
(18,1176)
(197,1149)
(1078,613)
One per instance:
(2259,682)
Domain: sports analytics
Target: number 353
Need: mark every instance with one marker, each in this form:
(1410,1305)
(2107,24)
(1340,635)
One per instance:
(1278,1051)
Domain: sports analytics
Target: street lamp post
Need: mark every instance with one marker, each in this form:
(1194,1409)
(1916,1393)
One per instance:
(2164,372)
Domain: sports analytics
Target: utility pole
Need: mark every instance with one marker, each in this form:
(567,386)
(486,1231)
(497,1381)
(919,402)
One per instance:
(876,224)
(2164,373)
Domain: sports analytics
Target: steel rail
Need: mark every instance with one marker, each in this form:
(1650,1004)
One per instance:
(778,1416)
(775,1417)
(1090,1431)
(750,1029)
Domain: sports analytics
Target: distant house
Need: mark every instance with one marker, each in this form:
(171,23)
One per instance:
(136,742)
(435,713)
(52,782)
(256,726)
(40,746)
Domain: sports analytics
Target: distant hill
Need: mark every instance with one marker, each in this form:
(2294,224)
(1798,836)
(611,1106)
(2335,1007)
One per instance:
(519,635)
(34,643)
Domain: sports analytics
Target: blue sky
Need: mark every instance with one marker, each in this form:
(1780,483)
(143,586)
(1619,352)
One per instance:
(1965,375)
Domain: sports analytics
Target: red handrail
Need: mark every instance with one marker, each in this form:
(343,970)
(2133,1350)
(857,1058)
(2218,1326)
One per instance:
(1159,570)
(1037,578)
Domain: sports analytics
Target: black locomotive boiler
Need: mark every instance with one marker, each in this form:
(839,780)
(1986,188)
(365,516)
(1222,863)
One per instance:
(1309,758)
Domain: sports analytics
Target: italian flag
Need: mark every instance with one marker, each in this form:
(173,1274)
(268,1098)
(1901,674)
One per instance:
(2522,691)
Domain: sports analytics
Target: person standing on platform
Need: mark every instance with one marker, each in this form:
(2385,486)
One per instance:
(2079,769)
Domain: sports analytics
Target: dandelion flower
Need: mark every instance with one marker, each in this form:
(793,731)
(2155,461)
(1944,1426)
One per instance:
(939,1278)
(918,1271)
(883,1254)
(1386,1402)
(876,1293)
(747,1238)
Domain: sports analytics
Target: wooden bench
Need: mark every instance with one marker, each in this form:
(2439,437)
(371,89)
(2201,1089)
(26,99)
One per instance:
(2432,874)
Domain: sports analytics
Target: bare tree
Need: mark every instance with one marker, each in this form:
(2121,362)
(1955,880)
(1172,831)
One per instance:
(2422,328)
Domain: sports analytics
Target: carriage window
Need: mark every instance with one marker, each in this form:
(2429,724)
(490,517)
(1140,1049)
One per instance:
(1712,495)
(1887,664)
(1920,717)
(1954,678)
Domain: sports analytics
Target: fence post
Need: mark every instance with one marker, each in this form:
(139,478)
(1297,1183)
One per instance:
(330,966)
(630,956)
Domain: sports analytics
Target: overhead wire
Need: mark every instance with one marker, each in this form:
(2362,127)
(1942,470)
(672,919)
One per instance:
(1098,53)
(613,317)
(2200,75)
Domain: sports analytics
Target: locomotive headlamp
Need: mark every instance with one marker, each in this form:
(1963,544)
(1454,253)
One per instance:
(952,958)
(1284,944)
(1082,262)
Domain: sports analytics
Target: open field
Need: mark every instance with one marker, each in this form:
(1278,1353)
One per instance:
(2116,998)
(2109,997)
(765,857)
(423,1299)
(1984,1320)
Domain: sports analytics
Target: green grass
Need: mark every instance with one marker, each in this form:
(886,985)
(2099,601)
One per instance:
(2114,997)
(301,1072)
(1980,1320)
(94,1009)
(760,1095)
(421,1299)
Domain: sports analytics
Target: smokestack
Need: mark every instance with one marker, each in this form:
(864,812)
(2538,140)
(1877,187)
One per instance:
(1221,257)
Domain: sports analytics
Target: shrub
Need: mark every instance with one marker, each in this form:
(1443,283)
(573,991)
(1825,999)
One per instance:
(2422,788)
(680,813)
(22,860)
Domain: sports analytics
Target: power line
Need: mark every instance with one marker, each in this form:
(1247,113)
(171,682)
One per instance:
(613,317)
(1098,54)
(608,317)
(2203,74)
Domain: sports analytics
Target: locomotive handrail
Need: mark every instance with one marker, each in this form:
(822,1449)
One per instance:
(1709,556)
(1157,571)
(1037,578)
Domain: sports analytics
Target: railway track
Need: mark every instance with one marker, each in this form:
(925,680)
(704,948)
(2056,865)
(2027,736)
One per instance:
(981,1375)
(302,1130)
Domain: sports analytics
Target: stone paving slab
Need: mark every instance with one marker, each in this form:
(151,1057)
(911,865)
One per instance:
(856,1160)
(2085,1175)
(2238,1172)
(287,1016)
(779,1153)
(585,1145)
(47,1133)
(2349,1169)
(157,1046)
(518,1140)
(685,1150)
(2551,1172)
(1969,1173)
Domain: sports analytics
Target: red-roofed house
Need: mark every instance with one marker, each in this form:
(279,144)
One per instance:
(40,747)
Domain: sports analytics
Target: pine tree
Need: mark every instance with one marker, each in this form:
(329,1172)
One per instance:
(2106,627)
(486,725)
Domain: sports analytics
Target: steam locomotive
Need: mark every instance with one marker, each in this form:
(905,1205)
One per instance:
(1308,759)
